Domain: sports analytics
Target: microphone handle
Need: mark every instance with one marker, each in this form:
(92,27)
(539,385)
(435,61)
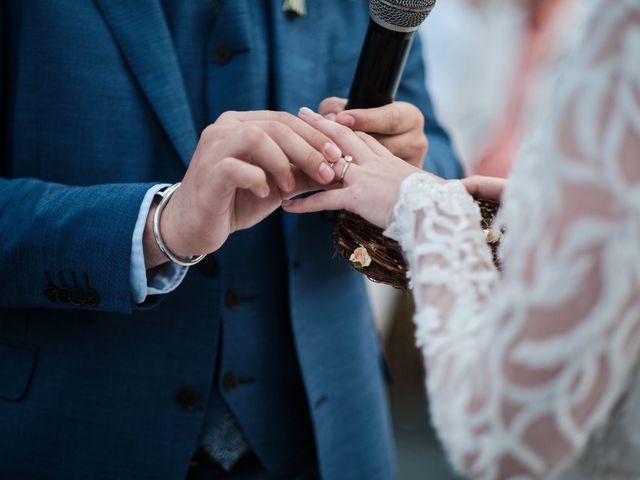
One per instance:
(380,67)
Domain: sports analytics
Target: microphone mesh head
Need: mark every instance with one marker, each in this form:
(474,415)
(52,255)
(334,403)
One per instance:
(400,15)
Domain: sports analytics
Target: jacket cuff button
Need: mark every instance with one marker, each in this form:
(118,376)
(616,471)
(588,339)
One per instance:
(51,294)
(90,297)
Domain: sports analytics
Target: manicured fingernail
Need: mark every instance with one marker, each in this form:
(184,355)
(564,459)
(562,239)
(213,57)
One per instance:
(346,119)
(264,193)
(326,172)
(307,112)
(286,203)
(332,151)
(330,116)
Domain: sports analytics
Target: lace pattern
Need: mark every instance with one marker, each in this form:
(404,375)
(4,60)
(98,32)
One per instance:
(531,372)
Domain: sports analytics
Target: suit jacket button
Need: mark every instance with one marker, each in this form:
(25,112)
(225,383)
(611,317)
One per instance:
(222,55)
(51,293)
(187,399)
(230,382)
(208,266)
(232,299)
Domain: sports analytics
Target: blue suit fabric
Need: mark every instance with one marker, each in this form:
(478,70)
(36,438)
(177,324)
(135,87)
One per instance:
(100,101)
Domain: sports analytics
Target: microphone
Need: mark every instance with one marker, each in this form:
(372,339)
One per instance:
(391,31)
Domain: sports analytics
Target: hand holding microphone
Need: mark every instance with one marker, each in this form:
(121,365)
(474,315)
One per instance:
(244,161)
(399,126)
(390,35)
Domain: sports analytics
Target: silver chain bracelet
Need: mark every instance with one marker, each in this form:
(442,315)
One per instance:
(165,195)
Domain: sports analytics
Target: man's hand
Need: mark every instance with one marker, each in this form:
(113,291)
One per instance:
(399,126)
(243,165)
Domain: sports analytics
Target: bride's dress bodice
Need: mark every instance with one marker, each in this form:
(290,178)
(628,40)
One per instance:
(533,372)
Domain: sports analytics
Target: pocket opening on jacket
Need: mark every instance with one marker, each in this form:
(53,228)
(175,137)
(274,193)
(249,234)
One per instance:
(17,364)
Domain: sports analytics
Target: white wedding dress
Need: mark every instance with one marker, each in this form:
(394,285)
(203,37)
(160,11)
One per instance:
(534,372)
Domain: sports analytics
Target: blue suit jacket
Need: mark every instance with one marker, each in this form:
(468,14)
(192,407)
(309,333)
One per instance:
(94,112)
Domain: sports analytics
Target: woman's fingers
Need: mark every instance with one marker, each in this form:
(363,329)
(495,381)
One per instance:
(488,188)
(348,142)
(408,146)
(329,200)
(374,144)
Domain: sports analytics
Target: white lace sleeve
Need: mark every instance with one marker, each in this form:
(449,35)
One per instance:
(523,367)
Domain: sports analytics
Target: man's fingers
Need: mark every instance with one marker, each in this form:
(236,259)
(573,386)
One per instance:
(234,173)
(312,136)
(397,117)
(305,184)
(332,105)
(254,145)
(329,200)
(228,118)
(288,129)
(488,188)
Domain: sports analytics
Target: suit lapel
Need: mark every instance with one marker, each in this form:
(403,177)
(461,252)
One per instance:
(141,31)
(294,62)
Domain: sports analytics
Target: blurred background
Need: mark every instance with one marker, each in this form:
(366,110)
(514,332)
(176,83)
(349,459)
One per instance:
(488,61)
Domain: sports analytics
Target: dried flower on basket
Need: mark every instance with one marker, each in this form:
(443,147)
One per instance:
(492,235)
(380,258)
(360,258)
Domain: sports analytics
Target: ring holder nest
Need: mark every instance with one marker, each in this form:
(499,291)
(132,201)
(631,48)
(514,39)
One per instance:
(354,237)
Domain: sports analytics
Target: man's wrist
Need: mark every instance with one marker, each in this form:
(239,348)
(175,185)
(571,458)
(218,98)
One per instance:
(186,260)
(153,257)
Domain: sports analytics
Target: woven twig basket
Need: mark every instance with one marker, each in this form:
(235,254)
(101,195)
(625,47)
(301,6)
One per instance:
(387,262)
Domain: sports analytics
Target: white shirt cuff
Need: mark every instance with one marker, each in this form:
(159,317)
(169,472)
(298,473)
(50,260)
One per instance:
(167,277)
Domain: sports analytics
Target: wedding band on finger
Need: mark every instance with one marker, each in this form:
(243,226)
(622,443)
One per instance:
(348,161)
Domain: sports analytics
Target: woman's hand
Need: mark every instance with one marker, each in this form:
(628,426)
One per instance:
(487,188)
(371,183)
(399,126)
